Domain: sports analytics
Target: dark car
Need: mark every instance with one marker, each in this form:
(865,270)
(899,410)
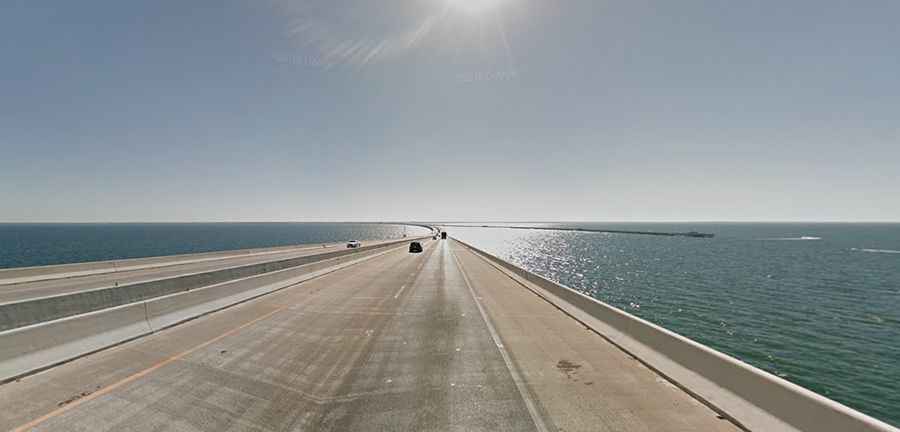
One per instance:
(415,247)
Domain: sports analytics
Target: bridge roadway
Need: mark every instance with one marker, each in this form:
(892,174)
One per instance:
(179,265)
(408,342)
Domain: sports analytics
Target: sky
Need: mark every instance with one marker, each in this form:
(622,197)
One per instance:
(575,110)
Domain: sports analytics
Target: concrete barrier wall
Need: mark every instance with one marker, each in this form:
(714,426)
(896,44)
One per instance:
(751,397)
(26,350)
(28,312)
(34,348)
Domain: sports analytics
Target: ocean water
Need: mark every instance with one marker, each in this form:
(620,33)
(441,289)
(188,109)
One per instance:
(816,304)
(23,245)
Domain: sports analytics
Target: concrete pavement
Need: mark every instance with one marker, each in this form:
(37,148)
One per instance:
(433,341)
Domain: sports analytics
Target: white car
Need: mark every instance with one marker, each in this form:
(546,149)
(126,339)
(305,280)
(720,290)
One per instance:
(353,244)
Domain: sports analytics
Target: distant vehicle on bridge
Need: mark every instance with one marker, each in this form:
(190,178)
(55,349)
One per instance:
(353,244)
(444,235)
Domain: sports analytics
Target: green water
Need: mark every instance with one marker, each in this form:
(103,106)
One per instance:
(816,304)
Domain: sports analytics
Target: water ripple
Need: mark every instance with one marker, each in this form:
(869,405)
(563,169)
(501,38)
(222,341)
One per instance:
(810,305)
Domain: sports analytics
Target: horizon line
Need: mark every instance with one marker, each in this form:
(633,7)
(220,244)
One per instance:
(473,221)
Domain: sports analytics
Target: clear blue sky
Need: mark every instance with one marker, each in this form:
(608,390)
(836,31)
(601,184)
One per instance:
(449,109)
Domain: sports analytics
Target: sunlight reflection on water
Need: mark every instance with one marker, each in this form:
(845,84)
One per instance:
(820,312)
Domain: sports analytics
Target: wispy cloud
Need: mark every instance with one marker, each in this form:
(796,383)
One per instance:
(350,36)
(358,33)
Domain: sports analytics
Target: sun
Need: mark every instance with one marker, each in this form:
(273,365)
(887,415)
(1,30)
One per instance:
(475,7)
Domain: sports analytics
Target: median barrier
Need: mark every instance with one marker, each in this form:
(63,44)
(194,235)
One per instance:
(34,348)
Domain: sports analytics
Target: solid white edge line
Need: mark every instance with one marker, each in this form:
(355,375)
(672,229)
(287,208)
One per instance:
(516,377)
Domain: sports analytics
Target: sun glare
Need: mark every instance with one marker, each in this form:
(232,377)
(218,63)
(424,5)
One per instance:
(475,6)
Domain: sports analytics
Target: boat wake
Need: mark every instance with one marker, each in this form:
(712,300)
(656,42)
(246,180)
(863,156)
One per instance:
(792,238)
(886,251)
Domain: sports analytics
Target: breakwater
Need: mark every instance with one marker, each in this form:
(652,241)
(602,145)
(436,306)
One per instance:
(607,231)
